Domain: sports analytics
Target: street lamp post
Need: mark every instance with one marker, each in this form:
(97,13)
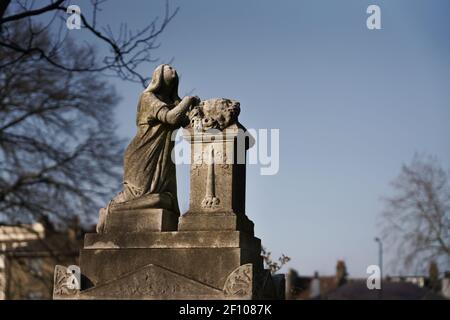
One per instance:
(380,264)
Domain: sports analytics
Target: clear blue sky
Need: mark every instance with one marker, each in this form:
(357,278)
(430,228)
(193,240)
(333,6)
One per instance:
(351,104)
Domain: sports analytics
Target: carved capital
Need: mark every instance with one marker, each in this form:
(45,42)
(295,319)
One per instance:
(214,114)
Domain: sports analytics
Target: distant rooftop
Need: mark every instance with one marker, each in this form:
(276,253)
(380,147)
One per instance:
(357,290)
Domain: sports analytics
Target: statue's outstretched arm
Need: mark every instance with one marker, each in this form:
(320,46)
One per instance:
(176,115)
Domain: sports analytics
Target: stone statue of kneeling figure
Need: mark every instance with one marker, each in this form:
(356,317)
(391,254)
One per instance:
(149,173)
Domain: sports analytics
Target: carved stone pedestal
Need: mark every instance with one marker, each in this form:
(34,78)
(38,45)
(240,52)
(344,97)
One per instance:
(217,179)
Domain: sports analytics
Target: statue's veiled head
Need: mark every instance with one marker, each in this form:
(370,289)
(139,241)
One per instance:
(164,82)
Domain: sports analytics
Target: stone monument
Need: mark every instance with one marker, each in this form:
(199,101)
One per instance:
(143,249)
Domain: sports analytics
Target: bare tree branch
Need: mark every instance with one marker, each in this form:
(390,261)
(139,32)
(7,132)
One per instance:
(3,6)
(128,50)
(29,13)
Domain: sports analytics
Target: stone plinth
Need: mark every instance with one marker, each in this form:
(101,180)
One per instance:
(172,240)
(170,265)
(217,180)
(205,257)
(141,220)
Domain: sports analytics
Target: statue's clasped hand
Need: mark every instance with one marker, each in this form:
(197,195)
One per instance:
(192,101)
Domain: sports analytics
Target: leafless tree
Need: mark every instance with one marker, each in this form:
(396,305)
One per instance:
(59,154)
(416,220)
(127,49)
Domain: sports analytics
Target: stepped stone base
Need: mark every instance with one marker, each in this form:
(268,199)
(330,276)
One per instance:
(205,256)
(153,282)
(172,240)
(218,264)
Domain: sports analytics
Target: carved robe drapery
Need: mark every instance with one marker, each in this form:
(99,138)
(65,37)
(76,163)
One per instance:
(149,169)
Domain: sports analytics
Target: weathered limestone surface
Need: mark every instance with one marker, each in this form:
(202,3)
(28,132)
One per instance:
(141,220)
(144,250)
(156,282)
(206,265)
(217,179)
(174,240)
